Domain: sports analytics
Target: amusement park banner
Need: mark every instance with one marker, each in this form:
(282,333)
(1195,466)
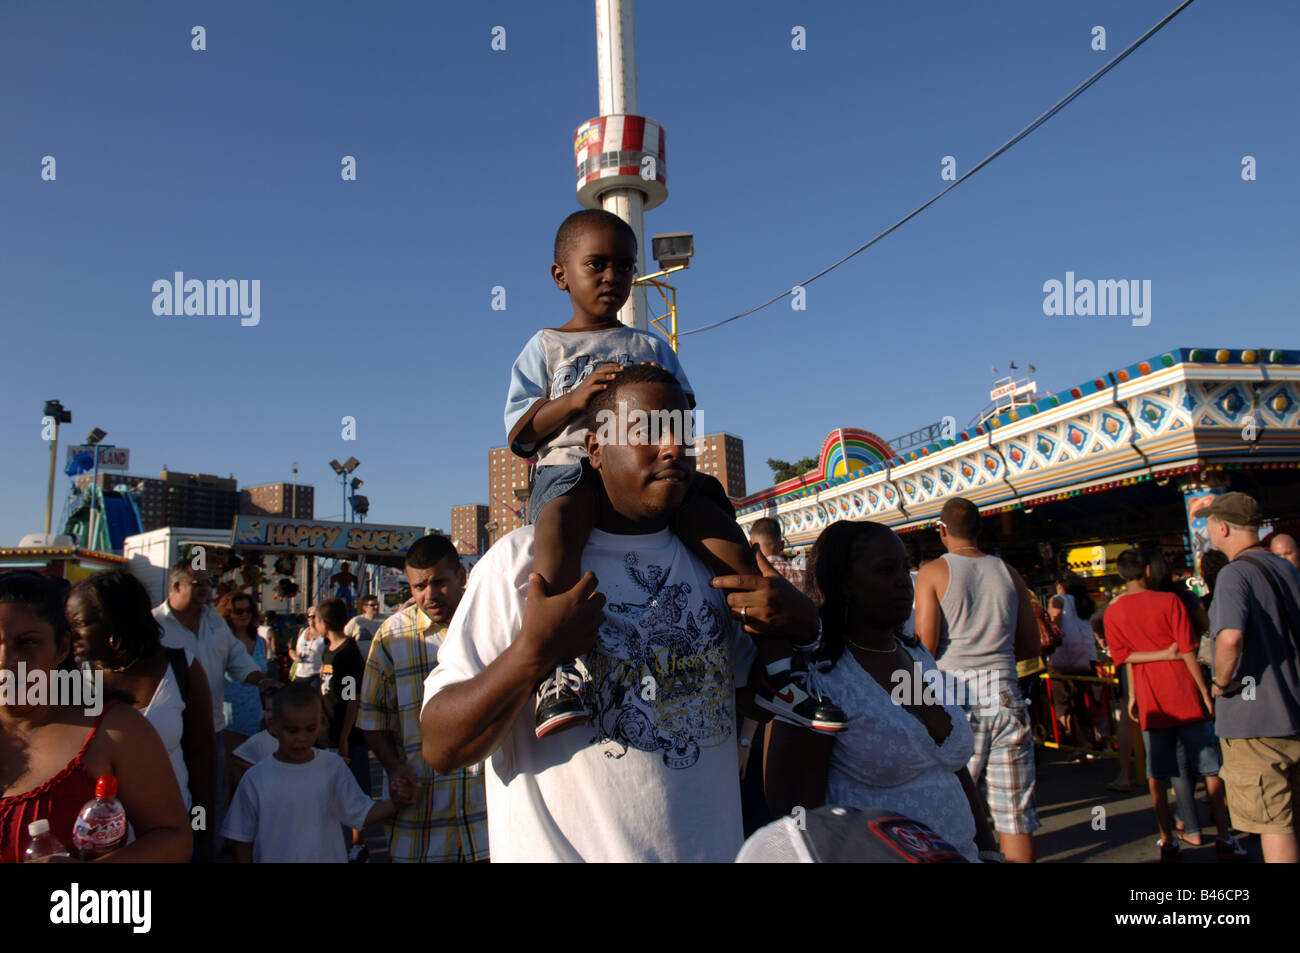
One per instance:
(322,538)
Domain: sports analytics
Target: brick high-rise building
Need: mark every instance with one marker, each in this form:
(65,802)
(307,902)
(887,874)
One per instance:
(722,455)
(469,529)
(197,500)
(507,492)
(278,499)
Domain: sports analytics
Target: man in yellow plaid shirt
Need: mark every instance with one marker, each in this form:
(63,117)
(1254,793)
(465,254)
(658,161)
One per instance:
(448,821)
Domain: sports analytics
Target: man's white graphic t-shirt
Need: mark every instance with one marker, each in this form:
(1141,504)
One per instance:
(654,776)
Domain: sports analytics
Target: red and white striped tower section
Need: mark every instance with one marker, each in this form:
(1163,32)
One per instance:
(619,155)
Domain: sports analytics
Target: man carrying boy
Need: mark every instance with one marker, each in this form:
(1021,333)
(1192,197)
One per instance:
(289,807)
(1167,696)
(654,778)
(448,820)
(553,383)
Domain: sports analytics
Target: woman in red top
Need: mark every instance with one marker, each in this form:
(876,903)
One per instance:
(51,755)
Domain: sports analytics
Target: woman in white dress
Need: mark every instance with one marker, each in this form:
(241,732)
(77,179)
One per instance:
(903,749)
(114,632)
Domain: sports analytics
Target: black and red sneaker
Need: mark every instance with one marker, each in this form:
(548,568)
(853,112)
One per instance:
(559,702)
(790,695)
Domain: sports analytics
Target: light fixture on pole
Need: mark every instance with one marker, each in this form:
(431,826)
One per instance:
(673,251)
(344,470)
(57,415)
(92,440)
(360,504)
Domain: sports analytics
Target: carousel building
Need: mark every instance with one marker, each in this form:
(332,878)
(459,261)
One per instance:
(1074,478)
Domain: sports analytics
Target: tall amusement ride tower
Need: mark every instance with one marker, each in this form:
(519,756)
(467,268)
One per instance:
(619,155)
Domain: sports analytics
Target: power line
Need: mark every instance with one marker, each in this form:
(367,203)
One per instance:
(1060,104)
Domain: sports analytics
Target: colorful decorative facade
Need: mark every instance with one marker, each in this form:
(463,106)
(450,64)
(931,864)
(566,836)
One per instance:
(1185,413)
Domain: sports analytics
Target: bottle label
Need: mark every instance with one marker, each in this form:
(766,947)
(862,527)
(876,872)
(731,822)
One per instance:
(107,835)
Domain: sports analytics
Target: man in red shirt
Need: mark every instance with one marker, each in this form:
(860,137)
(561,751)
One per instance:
(1149,632)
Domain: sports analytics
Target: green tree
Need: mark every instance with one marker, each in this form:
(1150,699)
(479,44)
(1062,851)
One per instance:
(782,471)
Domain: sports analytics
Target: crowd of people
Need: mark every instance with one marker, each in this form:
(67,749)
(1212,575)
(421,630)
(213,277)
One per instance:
(629,678)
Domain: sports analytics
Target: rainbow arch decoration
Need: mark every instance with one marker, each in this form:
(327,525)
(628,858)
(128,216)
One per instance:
(848,449)
(845,451)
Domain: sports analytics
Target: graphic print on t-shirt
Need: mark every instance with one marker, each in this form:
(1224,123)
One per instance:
(662,678)
(573,373)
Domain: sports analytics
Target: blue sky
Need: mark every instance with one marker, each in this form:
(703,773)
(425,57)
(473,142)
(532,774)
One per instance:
(376,294)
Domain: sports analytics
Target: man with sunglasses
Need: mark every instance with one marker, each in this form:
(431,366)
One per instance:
(363,627)
(188,622)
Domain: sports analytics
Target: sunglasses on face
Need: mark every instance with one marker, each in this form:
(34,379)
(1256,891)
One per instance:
(244,611)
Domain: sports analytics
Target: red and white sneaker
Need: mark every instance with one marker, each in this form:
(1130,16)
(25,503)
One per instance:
(790,695)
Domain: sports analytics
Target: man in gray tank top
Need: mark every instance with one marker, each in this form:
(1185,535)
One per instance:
(973,613)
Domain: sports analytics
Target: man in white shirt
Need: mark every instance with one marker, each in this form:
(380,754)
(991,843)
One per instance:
(654,776)
(188,622)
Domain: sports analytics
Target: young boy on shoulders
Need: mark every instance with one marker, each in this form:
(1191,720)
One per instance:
(552,383)
(289,808)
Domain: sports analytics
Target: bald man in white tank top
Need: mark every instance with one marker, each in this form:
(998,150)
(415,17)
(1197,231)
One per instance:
(974,615)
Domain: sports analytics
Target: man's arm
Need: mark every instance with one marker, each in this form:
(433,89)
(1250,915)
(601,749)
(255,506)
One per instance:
(1228,647)
(1028,643)
(465,722)
(931,583)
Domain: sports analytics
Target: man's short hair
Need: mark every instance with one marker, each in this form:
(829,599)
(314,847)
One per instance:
(583,220)
(962,517)
(333,612)
(765,530)
(295,695)
(179,571)
(1131,564)
(428,551)
(606,400)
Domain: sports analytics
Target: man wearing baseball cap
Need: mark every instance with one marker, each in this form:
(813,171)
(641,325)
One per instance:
(1255,623)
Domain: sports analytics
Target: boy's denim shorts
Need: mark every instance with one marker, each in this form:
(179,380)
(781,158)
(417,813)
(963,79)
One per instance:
(550,482)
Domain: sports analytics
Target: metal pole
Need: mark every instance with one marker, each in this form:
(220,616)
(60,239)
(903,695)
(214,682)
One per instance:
(94,493)
(49,493)
(293,506)
(616,79)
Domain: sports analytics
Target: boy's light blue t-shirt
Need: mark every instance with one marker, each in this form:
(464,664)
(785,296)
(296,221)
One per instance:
(554,362)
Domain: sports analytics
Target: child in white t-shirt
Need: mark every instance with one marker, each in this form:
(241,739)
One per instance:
(256,748)
(292,806)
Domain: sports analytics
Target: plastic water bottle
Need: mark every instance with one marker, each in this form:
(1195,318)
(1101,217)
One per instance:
(101,825)
(44,844)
